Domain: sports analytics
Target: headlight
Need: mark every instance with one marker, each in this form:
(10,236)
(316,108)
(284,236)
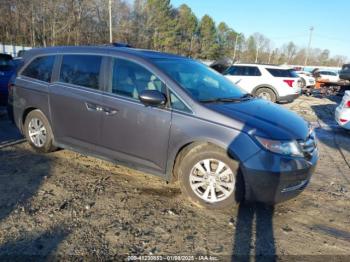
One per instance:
(289,148)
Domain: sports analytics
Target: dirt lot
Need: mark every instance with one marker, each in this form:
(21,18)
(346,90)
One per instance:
(67,204)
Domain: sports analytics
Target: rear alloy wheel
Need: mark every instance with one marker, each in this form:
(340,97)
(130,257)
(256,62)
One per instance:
(38,132)
(209,177)
(266,94)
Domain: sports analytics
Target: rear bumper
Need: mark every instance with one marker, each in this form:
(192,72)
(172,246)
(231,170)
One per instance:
(272,178)
(341,114)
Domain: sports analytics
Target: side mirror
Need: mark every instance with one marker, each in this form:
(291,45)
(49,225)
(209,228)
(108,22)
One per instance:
(152,98)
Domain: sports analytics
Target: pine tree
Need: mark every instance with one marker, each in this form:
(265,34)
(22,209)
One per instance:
(161,24)
(185,30)
(210,48)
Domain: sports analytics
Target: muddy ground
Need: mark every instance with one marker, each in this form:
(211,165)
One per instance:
(67,204)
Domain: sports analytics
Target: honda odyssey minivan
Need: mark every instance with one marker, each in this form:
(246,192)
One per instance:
(166,115)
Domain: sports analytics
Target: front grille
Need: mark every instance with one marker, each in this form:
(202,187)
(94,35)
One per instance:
(309,145)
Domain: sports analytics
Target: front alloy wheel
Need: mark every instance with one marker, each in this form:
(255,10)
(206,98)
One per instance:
(212,180)
(209,177)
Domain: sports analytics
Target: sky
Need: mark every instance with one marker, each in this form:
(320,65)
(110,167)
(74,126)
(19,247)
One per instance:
(283,20)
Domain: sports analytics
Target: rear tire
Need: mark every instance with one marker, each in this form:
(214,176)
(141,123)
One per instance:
(210,178)
(38,132)
(266,93)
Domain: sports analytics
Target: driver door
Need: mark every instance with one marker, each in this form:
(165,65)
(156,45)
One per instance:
(131,131)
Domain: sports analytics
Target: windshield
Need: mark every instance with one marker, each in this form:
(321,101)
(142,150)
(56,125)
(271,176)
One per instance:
(201,82)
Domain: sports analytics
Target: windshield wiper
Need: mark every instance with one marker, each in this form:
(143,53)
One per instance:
(228,99)
(247,96)
(221,100)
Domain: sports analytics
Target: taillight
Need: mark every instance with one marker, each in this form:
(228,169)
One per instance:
(10,89)
(289,82)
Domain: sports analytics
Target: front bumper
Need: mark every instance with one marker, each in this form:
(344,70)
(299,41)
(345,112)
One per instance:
(288,98)
(272,178)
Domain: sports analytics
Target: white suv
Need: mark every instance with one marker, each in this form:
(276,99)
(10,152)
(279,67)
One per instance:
(274,83)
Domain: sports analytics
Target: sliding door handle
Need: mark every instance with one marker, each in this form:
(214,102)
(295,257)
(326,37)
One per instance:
(93,107)
(90,106)
(110,112)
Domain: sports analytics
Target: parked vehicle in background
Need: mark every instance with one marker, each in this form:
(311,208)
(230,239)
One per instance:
(273,83)
(166,115)
(345,72)
(221,65)
(20,53)
(326,75)
(342,112)
(7,69)
(307,80)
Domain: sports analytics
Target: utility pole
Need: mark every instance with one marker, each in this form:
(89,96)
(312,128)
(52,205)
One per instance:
(110,21)
(309,46)
(234,52)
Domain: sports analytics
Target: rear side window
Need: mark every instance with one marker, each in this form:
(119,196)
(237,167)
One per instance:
(40,68)
(82,70)
(282,72)
(243,71)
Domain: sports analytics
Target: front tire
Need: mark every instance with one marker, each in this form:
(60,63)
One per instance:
(38,132)
(210,178)
(266,94)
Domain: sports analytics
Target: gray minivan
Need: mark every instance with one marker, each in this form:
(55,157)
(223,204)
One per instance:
(166,115)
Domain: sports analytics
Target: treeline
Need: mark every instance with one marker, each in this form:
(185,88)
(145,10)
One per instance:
(151,24)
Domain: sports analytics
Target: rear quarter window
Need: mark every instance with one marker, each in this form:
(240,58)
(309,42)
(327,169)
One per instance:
(40,68)
(282,72)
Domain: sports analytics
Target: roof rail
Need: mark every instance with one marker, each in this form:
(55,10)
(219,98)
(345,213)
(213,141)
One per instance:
(258,64)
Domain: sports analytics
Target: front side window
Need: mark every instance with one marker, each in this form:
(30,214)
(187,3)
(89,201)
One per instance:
(231,71)
(82,70)
(201,82)
(243,71)
(177,104)
(130,79)
(40,68)
(253,71)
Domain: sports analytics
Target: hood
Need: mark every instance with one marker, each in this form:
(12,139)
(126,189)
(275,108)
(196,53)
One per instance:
(265,119)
